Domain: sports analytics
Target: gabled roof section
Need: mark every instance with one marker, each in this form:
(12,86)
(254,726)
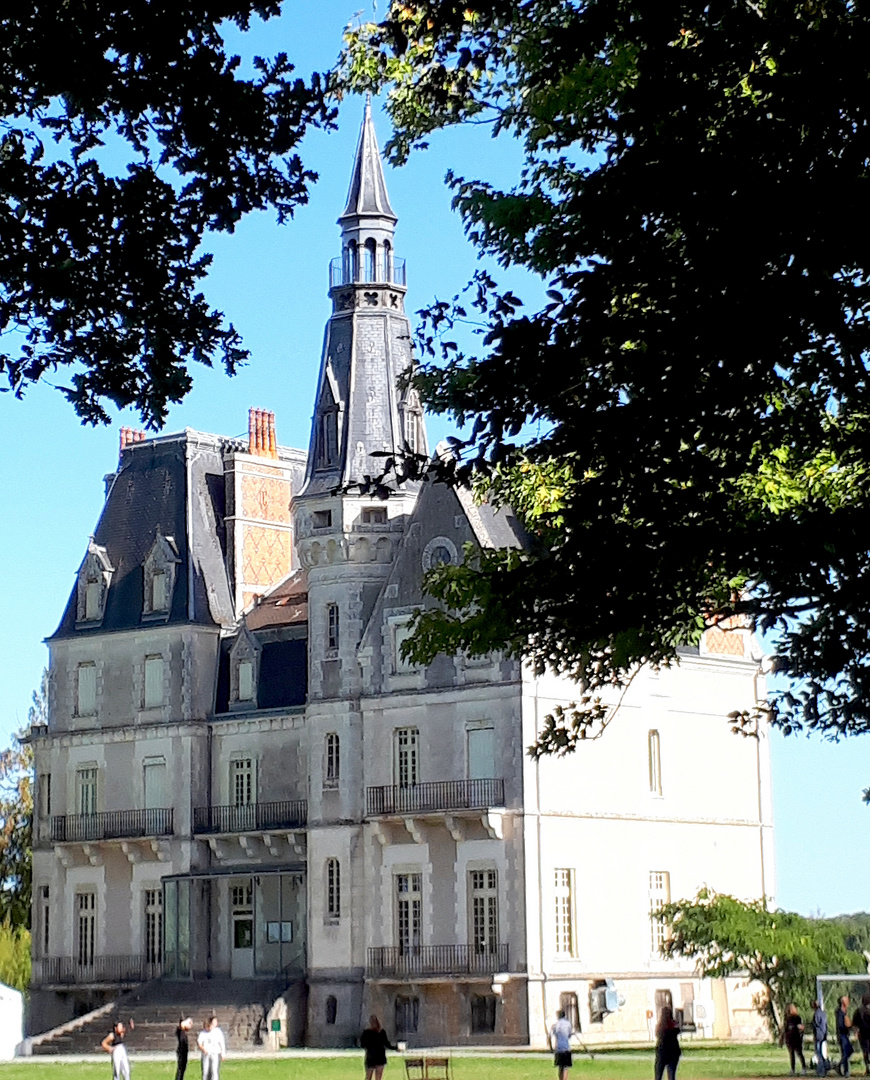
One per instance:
(367,196)
(171,486)
(285,605)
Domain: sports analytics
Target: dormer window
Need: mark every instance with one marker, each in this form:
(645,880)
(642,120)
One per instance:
(244,670)
(158,571)
(95,576)
(327,430)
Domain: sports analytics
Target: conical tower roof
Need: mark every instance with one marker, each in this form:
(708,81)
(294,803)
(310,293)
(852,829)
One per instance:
(367,196)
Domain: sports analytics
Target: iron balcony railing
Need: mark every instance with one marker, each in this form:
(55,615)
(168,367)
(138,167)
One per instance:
(112,825)
(70,971)
(389,960)
(390,271)
(439,795)
(255,817)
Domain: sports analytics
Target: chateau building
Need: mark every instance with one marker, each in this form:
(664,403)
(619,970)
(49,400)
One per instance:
(242,779)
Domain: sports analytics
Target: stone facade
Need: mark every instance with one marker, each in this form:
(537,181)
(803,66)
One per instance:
(243,778)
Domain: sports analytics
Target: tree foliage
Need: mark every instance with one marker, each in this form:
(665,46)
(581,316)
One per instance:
(15,956)
(781,950)
(684,426)
(16,824)
(127,133)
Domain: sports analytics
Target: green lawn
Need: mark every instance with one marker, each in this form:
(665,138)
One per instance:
(698,1063)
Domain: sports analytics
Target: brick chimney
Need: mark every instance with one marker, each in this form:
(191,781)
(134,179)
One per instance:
(261,433)
(130,436)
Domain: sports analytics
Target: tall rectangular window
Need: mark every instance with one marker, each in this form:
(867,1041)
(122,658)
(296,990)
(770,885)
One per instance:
(86,927)
(333,889)
(406,757)
(481,753)
(332,774)
(409,912)
(86,790)
(153,682)
(659,896)
(484,911)
(44,794)
(242,781)
(44,929)
(332,627)
(86,689)
(159,591)
(153,926)
(564,893)
(155,783)
(93,599)
(655,763)
(246,680)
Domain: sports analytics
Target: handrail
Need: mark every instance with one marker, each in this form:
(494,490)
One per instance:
(437,960)
(254,817)
(391,272)
(112,825)
(69,971)
(433,796)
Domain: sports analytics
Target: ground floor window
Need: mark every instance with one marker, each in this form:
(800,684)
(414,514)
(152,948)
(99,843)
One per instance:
(482,1014)
(569,1006)
(407,1015)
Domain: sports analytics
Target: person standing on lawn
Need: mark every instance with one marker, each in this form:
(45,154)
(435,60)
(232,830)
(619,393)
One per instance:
(861,1023)
(375,1043)
(667,1044)
(560,1043)
(212,1046)
(793,1037)
(820,1038)
(114,1044)
(844,1034)
(182,1048)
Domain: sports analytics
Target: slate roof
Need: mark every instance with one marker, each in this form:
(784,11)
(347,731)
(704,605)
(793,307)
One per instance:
(367,196)
(175,484)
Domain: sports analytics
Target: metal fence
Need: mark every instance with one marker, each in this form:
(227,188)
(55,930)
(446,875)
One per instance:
(436,960)
(69,971)
(439,795)
(390,272)
(255,817)
(112,825)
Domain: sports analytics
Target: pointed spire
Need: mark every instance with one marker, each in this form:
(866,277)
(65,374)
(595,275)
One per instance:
(367,196)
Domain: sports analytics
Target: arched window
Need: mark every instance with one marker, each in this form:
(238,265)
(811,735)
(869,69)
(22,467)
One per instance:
(331,1008)
(388,261)
(333,889)
(352,261)
(370,257)
(327,430)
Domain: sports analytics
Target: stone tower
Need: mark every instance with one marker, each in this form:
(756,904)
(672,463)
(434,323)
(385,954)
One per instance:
(347,539)
(346,536)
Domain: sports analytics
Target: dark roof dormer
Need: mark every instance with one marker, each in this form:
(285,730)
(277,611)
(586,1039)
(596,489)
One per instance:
(159,571)
(94,579)
(244,670)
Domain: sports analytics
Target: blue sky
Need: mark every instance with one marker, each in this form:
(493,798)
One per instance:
(271,283)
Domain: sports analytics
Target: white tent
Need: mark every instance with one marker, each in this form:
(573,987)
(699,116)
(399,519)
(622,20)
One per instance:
(11,1021)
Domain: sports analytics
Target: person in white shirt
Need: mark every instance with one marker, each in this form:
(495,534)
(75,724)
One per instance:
(560,1041)
(212,1046)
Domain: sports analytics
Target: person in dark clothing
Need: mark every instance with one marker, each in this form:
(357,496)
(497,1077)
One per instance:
(183,1048)
(820,1038)
(844,1029)
(667,1044)
(861,1024)
(375,1043)
(793,1037)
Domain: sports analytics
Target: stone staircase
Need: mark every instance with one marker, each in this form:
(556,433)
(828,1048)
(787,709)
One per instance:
(241,1006)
